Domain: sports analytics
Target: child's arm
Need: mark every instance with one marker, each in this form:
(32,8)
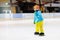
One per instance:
(34,18)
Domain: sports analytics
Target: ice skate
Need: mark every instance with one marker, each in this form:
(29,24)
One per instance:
(41,34)
(36,33)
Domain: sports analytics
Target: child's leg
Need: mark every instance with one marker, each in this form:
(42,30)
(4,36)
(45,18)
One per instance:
(41,31)
(40,25)
(37,28)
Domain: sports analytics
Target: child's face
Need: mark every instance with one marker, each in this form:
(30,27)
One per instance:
(36,7)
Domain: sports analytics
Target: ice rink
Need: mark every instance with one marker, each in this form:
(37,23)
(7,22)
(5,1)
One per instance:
(24,29)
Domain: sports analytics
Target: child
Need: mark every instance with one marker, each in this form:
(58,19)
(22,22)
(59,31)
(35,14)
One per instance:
(38,20)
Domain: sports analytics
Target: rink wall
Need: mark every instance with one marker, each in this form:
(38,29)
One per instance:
(29,15)
(45,15)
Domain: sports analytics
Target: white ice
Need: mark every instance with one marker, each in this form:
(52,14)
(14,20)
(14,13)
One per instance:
(24,30)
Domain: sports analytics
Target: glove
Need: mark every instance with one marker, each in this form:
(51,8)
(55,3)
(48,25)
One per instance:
(34,22)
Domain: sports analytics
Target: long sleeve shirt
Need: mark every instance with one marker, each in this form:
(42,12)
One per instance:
(37,16)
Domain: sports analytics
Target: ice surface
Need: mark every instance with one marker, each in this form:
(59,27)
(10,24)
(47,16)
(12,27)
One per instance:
(24,30)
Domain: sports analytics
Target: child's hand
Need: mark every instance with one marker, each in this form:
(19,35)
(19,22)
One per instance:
(34,22)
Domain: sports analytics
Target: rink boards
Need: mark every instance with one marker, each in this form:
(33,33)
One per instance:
(28,15)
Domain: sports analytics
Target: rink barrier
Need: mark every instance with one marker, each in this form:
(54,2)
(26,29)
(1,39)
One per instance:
(29,15)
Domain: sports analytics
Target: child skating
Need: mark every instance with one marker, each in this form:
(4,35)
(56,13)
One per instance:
(38,21)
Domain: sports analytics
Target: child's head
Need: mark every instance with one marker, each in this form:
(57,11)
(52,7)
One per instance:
(36,7)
